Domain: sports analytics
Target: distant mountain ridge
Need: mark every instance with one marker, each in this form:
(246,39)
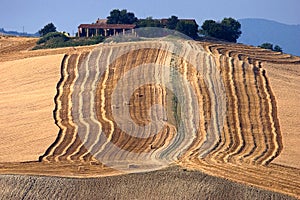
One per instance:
(16,33)
(258,31)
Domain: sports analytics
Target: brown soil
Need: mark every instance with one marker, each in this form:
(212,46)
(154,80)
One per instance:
(171,183)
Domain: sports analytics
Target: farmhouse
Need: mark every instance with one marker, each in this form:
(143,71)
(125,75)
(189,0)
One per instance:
(102,28)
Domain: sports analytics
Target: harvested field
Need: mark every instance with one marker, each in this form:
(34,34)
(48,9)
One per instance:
(26,118)
(172,183)
(10,44)
(286,89)
(142,106)
(16,48)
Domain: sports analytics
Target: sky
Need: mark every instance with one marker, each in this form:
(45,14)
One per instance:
(66,15)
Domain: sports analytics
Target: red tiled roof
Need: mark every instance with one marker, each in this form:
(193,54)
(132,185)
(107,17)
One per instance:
(108,26)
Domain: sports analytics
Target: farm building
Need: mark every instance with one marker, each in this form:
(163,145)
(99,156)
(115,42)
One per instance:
(104,29)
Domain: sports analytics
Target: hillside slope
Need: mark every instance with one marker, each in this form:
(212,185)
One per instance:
(26,104)
(171,183)
(143,106)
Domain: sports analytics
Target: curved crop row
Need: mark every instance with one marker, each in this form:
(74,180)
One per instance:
(223,119)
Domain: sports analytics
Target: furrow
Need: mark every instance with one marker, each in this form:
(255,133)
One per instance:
(71,103)
(229,130)
(49,154)
(252,109)
(272,137)
(262,141)
(64,108)
(237,137)
(82,108)
(247,142)
(103,104)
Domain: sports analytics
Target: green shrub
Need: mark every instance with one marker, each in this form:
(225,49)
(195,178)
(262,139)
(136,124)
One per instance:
(269,46)
(47,29)
(51,36)
(57,40)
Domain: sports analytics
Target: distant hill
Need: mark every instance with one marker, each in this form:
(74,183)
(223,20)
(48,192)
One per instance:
(258,31)
(15,33)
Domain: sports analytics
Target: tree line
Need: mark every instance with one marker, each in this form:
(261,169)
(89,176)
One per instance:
(270,46)
(228,29)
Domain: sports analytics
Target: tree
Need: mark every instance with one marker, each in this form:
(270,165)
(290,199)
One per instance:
(121,17)
(207,26)
(188,28)
(269,46)
(114,16)
(149,22)
(266,46)
(49,28)
(228,29)
(172,22)
(277,48)
(232,28)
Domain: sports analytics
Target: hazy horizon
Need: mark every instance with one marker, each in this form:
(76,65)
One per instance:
(67,15)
